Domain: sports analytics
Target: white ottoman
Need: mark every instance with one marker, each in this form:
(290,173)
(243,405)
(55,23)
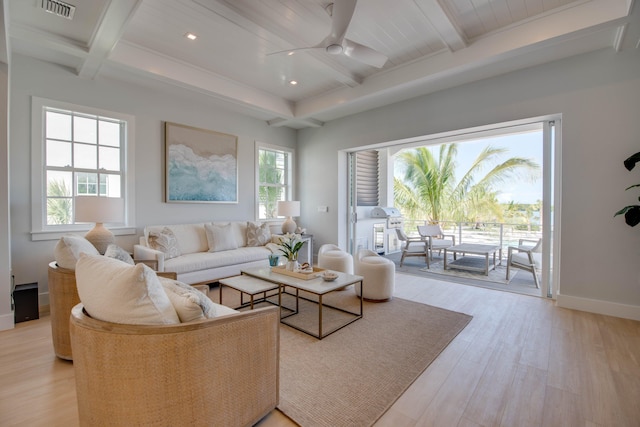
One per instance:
(379,276)
(331,257)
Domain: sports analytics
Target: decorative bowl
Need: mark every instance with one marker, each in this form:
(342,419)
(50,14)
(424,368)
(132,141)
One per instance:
(329,276)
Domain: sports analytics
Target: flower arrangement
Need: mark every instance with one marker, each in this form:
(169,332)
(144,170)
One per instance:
(290,244)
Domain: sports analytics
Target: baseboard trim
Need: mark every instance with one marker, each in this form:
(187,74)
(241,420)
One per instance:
(608,308)
(7,321)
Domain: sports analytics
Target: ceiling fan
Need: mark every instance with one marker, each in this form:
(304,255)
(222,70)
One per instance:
(335,43)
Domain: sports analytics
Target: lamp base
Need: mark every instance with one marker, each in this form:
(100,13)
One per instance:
(289,226)
(100,237)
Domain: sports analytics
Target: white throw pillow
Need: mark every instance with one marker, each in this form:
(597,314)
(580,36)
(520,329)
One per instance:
(114,291)
(258,234)
(189,303)
(68,250)
(220,237)
(115,251)
(164,241)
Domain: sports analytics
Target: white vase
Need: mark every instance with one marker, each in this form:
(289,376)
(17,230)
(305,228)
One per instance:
(292,265)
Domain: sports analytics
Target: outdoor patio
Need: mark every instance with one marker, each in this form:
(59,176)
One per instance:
(502,234)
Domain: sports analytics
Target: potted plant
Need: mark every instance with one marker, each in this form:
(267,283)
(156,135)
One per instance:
(632,212)
(290,245)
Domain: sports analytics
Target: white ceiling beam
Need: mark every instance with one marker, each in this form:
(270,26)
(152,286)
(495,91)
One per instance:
(572,23)
(133,57)
(443,24)
(107,34)
(257,24)
(47,40)
(301,123)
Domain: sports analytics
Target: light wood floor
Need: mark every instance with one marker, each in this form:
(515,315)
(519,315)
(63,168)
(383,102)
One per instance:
(520,362)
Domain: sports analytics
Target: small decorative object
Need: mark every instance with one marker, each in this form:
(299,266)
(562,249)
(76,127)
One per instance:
(329,276)
(273,260)
(632,212)
(290,244)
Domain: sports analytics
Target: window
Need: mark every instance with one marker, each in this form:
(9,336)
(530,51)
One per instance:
(80,151)
(274,179)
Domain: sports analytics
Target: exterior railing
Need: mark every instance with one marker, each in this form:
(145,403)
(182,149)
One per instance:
(503,234)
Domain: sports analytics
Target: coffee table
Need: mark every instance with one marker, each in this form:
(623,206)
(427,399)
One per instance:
(466,263)
(316,286)
(250,286)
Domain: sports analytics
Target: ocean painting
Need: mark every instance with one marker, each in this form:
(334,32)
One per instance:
(201,165)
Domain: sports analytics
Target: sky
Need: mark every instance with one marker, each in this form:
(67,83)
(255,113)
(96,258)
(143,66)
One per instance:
(527,145)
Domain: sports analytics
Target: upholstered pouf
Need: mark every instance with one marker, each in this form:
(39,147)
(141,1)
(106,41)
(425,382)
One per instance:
(331,257)
(379,276)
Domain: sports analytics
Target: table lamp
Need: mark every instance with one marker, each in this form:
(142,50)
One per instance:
(289,209)
(99,210)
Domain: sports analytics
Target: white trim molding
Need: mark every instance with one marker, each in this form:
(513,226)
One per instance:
(607,308)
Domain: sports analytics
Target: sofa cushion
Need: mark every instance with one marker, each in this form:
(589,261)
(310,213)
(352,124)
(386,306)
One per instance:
(189,303)
(68,250)
(221,237)
(206,260)
(164,241)
(114,291)
(258,234)
(115,251)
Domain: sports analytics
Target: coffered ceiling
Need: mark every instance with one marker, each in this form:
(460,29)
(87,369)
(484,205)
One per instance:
(430,45)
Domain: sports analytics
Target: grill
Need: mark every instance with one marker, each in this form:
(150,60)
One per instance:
(384,234)
(393,216)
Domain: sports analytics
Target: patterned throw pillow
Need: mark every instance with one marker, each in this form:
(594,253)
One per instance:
(164,241)
(115,251)
(258,234)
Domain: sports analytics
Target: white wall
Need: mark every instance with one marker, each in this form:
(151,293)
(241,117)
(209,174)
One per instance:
(6,314)
(151,108)
(598,95)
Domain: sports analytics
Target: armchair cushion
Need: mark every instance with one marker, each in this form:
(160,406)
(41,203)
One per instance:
(114,291)
(115,251)
(68,250)
(190,303)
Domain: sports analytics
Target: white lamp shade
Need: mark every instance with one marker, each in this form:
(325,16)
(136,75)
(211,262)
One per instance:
(99,209)
(288,208)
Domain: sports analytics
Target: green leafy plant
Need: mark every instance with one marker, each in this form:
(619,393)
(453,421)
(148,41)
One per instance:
(632,212)
(290,244)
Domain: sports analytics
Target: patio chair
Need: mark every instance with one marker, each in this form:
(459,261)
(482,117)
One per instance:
(526,257)
(435,237)
(419,248)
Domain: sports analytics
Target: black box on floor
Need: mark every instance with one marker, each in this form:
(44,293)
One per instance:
(25,298)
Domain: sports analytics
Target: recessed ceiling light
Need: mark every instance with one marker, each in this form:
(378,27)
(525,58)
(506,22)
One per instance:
(291,53)
(191,36)
(293,82)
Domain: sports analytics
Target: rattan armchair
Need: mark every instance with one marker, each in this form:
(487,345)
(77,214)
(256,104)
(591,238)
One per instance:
(213,372)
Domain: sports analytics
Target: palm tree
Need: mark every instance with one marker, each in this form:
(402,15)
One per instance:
(429,188)
(58,203)
(269,174)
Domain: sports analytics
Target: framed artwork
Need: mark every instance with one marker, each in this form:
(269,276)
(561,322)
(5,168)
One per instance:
(201,165)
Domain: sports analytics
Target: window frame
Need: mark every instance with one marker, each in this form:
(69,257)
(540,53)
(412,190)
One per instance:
(289,194)
(40,230)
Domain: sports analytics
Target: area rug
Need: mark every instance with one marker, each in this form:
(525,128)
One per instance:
(354,375)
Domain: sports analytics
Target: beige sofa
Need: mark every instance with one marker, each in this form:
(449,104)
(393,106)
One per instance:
(199,259)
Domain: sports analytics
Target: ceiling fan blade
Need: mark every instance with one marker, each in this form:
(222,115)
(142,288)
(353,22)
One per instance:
(363,54)
(340,18)
(292,51)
